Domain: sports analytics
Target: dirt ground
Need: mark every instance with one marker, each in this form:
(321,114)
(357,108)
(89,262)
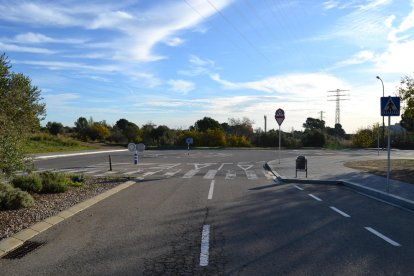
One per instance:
(401,169)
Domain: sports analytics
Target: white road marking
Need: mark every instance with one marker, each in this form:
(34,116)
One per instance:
(230,175)
(211,191)
(315,197)
(105,173)
(75,154)
(170,174)
(150,173)
(268,175)
(251,175)
(210,174)
(378,234)
(199,166)
(244,167)
(340,212)
(131,172)
(222,165)
(297,187)
(93,171)
(205,245)
(190,173)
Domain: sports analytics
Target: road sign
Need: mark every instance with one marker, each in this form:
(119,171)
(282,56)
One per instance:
(189,140)
(280,116)
(390,106)
(132,147)
(140,147)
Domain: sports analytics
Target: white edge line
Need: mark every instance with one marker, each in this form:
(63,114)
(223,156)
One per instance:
(375,232)
(315,197)
(340,212)
(210,192)
(205,240)
(75,154)
(297,187)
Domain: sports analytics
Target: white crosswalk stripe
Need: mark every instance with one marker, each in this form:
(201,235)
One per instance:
(210,174)
(190,173)
(171,173)
(131,172)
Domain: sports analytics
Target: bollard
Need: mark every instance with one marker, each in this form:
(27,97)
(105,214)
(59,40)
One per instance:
(136,158)
(110,163)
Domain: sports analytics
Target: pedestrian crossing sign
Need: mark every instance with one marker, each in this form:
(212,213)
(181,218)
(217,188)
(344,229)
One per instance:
(390,106)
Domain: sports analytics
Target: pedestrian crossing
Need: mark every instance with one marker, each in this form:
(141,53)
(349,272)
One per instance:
(208,171)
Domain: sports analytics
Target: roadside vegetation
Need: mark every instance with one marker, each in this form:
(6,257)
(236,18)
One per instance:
(401,169)
(20,191)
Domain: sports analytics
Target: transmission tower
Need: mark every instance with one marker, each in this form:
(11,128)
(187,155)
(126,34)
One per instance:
(321,112)
(338,98)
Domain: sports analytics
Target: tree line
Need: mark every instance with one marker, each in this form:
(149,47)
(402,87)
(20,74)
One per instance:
(22,110)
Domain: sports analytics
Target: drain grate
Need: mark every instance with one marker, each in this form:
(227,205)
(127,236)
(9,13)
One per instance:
(21,251)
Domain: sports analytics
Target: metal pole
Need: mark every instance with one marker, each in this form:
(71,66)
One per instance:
(378,140)
(110,163)
(383,124)
(279,143)
(389,150)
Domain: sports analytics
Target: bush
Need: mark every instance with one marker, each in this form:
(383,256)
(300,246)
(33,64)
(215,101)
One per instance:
(14,198)
(54,182)
(30,183)
(313,138)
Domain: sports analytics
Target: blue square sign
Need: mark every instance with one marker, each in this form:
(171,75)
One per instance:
(390,106)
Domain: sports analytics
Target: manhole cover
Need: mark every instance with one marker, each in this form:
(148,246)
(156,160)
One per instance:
(21,251)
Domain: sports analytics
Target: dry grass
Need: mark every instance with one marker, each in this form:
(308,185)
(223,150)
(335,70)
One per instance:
(401,169)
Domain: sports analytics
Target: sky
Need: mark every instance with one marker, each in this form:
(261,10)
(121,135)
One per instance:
(173,62)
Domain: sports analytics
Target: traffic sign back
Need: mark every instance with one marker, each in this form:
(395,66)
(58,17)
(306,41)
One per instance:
(280,116)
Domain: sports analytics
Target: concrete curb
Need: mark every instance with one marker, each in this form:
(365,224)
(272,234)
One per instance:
(13,242)
(372,193)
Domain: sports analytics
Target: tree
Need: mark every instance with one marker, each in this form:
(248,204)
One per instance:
(129,130)
(406,93)
(207,123)
(159,133)
(21,111)
(312,124)
(243,127)
(99,131)
(364,138)
(54,128)
(313,138)
(82,128)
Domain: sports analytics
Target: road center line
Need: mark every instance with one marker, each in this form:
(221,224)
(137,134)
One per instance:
(378,234)
(315,197)
(210,192)
(340,212)
(297,187)
(205,240)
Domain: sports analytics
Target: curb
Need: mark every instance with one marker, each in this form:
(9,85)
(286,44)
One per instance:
(13,242)
(394,200)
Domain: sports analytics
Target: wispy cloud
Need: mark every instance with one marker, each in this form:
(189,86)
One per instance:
(181,86)
(296,84)
(6,47)
(37,38)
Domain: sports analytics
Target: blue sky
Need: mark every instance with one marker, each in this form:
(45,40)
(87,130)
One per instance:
(173,62)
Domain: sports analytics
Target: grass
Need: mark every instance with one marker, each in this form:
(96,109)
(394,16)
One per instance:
(401,169)
(42,143)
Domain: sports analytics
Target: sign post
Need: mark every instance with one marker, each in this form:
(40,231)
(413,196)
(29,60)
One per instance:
(280,117)
(390,106)
(189,141)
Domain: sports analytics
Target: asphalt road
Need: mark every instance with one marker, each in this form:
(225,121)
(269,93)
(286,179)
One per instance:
(217,212)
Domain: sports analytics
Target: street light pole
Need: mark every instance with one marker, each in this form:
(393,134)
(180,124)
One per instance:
(383,124)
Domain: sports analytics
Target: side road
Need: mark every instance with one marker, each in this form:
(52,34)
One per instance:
(331,171)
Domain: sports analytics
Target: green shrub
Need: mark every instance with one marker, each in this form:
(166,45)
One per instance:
(54,182)
(14,198)
(30,183)
(76,180)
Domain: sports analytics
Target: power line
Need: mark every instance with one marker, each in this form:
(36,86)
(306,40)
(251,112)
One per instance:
(238,31)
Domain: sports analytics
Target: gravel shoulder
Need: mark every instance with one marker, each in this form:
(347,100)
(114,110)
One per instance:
(46,205)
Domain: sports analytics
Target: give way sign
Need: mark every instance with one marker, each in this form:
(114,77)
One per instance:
(280,116)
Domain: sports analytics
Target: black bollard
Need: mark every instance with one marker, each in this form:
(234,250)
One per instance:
(110,163)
